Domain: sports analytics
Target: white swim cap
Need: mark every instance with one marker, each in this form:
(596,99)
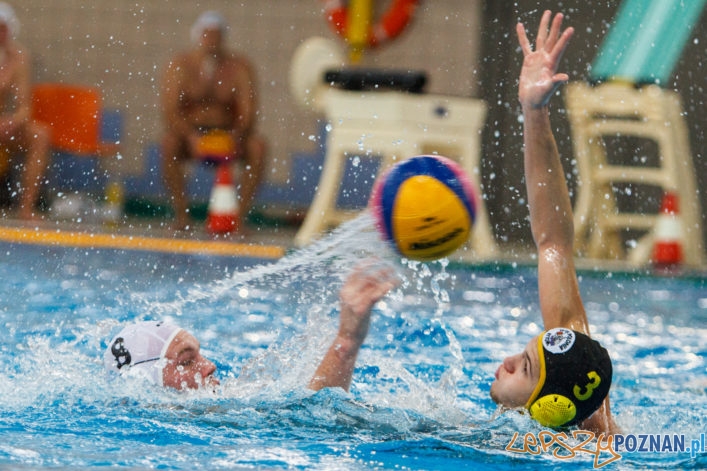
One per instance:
(141,346)
(208,20)
(8,17)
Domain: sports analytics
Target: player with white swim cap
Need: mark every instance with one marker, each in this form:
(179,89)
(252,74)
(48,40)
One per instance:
(143,348)
(169,356)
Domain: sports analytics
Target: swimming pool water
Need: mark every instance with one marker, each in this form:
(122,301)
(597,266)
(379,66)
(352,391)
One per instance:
(419,399)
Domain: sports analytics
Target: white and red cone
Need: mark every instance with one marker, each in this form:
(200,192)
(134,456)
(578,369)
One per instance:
(223,216)
(668,240)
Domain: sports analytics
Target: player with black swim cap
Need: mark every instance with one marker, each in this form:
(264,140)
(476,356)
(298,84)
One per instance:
(563,376)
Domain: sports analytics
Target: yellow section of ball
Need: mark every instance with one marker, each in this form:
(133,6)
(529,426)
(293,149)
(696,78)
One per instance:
(429,220)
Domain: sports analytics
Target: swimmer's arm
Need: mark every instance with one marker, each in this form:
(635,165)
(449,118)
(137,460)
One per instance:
(336,369)
(549,204)
(365,286)
(552,227)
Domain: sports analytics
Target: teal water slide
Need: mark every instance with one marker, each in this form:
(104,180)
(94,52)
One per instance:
(646,40)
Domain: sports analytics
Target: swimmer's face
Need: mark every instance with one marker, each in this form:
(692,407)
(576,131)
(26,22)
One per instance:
(516,377)
(186,368)
(211,39)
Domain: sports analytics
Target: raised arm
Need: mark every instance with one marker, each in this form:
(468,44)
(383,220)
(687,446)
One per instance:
(548,199)
(366,284)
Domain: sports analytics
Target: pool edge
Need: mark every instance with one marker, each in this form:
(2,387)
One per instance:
(69,238)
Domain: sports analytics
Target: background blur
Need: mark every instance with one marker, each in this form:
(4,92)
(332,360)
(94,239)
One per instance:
(467,47)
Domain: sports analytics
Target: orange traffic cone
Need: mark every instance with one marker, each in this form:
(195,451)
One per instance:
(223,205)
(667,248)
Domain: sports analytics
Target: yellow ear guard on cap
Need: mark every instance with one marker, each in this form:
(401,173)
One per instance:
(553,410)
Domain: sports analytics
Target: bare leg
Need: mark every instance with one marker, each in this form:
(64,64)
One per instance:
(173,173)
(36,141)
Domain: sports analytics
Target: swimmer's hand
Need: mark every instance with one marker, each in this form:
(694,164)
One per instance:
(539,77)
(365,286)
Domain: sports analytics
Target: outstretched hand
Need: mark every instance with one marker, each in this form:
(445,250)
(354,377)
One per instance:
(539,77)
(365,286)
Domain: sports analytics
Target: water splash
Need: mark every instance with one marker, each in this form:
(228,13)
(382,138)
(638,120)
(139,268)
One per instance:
(331,256)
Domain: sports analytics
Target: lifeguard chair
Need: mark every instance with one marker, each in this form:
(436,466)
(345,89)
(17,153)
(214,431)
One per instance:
(638,55)
(382,114)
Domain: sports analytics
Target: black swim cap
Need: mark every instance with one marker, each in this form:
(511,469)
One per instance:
(575,376)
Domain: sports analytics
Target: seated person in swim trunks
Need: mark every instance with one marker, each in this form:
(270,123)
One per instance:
(209,101)
(18,133)
(563,376)
(169,356)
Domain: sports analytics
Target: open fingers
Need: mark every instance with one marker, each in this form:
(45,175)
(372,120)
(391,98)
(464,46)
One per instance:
(561,45)
(523,39)
(550,37)
(543,30)
(554,33)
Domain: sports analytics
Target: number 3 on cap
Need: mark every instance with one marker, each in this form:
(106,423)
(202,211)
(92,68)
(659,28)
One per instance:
(594,382)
